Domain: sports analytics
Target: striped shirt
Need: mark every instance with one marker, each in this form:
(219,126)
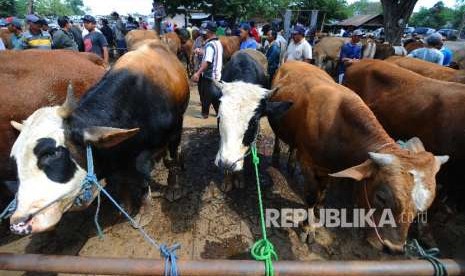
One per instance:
(214,57)
(42,41)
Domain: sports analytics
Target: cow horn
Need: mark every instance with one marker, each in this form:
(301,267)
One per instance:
(272,92)
(70,103)
(17,126)
(381,159)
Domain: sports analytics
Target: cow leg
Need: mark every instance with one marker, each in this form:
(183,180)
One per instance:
(291,161)
(174,163)
(276,152)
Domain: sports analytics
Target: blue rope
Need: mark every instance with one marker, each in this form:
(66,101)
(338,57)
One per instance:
(414,249)
(9,210)
(169,254)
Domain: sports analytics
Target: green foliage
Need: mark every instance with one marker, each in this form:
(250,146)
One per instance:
(365,7)
(7,8)
(436,17)
(50,7)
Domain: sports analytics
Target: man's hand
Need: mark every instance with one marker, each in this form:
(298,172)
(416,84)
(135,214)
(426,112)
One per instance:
(195,77)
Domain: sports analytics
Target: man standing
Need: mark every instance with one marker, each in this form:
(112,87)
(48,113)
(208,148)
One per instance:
(94,42)
(299,48)
(210,70)
(273,53)
(16,39)
(350,52)
(119,31)
(77,35)
(430,52)
(35,38)
(63,38)
(247,42)
(446,52)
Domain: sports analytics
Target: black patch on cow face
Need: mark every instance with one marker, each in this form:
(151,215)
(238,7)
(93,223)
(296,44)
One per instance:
(54,161)
(252,128)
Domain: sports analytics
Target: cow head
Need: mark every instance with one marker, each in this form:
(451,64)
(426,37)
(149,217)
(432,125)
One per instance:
(399,180)
(49,175)
(242,105)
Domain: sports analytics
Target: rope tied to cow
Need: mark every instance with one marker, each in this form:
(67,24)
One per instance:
(9,210)
(169,253)
(263,249)
(414,249)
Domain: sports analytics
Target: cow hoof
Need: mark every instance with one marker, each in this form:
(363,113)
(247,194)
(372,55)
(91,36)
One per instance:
(308,235)
(239,182)
(144,216)
(173,194)
(173,179)
(227,184)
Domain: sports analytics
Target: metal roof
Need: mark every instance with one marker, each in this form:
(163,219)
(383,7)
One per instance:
(359,20)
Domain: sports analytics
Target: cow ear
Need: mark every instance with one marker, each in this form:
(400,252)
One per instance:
(381,159)
(70,103)
(277,109)
(414,145)
(358,172)
(107,137)
(442,159)
(17,126)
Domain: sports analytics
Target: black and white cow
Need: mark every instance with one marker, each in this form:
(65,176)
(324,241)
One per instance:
(129,117)
(242,66)
(242,106)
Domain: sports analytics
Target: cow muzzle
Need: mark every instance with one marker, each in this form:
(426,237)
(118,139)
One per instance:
(21,225)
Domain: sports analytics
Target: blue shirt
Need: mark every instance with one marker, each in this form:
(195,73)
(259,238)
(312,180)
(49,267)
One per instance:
(447,56)
(17,41)
(273,57)
(349,50)
(428,54)
(249,43)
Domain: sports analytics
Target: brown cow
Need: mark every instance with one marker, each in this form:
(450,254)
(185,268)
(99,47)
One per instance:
(5,35)
(413,44)
(173,42)
(429,69)
(187,53)
(408,104)
(231,44)
(135,36)
(334,132)
(328,49)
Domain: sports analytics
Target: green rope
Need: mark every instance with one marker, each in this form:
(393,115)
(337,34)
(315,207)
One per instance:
(263,249)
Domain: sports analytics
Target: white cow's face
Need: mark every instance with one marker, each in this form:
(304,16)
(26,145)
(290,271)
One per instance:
(242,106)
(46,172)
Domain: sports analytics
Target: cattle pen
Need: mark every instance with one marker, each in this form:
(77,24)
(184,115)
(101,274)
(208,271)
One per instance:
(120,266)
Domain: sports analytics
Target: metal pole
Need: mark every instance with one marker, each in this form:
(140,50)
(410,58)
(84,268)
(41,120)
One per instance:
(115,266)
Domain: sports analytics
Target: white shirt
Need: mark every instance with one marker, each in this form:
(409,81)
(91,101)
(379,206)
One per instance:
(2,45)
(214,55)
(299,51)
(86,32)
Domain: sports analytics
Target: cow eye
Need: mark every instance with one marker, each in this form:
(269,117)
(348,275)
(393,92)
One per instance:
(51,154)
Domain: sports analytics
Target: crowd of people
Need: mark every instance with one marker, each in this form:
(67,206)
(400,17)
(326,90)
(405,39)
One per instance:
(34,33)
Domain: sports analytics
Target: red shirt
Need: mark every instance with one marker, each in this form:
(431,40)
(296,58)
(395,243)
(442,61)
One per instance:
(255,35)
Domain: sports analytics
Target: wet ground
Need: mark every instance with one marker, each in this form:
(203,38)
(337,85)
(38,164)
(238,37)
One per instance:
(211,224)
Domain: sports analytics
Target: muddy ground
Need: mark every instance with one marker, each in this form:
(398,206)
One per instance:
(211,224)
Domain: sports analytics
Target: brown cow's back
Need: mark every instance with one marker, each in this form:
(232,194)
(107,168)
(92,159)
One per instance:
(173,42)
(231,44)
(35,79)
(408,104)
(429,69)
(165,69)
(135,36)
(316,122)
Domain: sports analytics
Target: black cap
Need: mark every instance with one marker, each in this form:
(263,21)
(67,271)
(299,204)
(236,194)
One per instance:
(89,18)
(210,26)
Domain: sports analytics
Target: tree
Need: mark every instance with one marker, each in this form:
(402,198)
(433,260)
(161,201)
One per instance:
(396,15)
(365,7)
(436,17)
(52,8)
(7,8)
(76,6)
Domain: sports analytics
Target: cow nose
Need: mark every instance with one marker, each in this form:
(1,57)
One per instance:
(21,219)
(21,225)
(227,166)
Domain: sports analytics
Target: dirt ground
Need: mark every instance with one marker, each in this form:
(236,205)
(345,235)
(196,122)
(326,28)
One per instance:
(210,224)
